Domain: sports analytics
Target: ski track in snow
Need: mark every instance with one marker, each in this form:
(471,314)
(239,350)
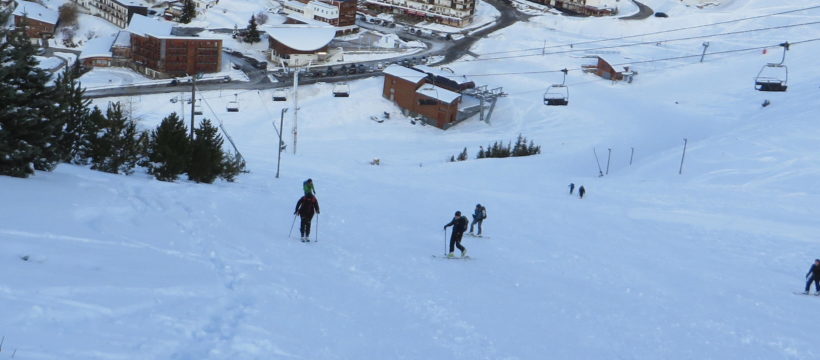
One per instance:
(649,265)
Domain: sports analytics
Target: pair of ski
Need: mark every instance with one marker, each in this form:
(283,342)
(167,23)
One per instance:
(478,236)
(466,257)
(805,294)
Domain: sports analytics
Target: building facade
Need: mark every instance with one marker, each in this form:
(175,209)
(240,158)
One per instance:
(583,7)
(458,13)
(117,12)
(413,91)
(295,45)
(159,54)
(36,20)
(338,13)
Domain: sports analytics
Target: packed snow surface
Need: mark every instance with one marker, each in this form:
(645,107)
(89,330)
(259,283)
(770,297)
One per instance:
(663,259)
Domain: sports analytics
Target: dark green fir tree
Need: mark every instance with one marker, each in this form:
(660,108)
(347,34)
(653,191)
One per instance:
(117,146)
(29,134)
(188,11)
(252,32)
(72,110)
(206,154)
(169,150)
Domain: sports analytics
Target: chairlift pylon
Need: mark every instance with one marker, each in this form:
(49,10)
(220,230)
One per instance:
(233,105)
(341,90)
(774,76)
(280,95)
(557,94)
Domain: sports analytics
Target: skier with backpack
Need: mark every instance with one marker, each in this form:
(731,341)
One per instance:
(479,214)
(813,276)
(305,207)
(459,224)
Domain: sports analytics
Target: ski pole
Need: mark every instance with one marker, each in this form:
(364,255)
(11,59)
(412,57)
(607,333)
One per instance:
(317,227)
(291,226)
(445,241)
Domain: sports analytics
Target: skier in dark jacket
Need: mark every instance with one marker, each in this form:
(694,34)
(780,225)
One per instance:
(813,276)
(459,224)
(571,188)
(305,207)
(581,191)
(479,214)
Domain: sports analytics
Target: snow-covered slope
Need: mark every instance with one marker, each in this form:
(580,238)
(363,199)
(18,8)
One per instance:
(650,265)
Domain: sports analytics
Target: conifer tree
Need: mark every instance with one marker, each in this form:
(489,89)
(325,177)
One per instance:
(169,152)
(117,147)
(232,166)
(206,154)
(29,135)
(252,34)
(463,155)
(188,11)
(72,110)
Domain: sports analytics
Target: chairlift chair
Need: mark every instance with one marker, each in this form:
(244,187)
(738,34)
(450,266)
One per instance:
(773,77)
(341,90)
(233,105)
(280,95)
(557,94)
(197,109)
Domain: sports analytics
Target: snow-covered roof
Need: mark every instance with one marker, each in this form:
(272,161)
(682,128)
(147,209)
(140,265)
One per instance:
(36,11)
(320,4)
(294,4)
(438,93)
(306,20)
(405,73)
(616,60)
(459,79)
(132,3)
(123,39)
(143,25)
(302,37)
(98,47)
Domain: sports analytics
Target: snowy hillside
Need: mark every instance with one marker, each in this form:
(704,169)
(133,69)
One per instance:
(651,264)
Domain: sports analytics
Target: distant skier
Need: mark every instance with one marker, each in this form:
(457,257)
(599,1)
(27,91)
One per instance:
(813,276)
(307,186)
(571,188)
(459,224)
(305,207)
(581,191)
(479,214)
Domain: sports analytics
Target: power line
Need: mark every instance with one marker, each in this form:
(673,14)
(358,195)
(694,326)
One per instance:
(657,32)
(651,60)
(645,42)
(219,121)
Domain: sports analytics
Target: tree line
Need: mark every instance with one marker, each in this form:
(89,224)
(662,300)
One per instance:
(499,150)
(43,124)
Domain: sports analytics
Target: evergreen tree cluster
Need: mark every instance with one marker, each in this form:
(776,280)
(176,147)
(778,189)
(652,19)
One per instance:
(41,126)
(499,150)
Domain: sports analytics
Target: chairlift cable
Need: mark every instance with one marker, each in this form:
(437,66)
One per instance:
(657,32)
(219,121)
(651,60)
(642,43)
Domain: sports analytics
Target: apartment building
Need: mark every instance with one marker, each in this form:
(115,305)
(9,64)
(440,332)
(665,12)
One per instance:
(458,13)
